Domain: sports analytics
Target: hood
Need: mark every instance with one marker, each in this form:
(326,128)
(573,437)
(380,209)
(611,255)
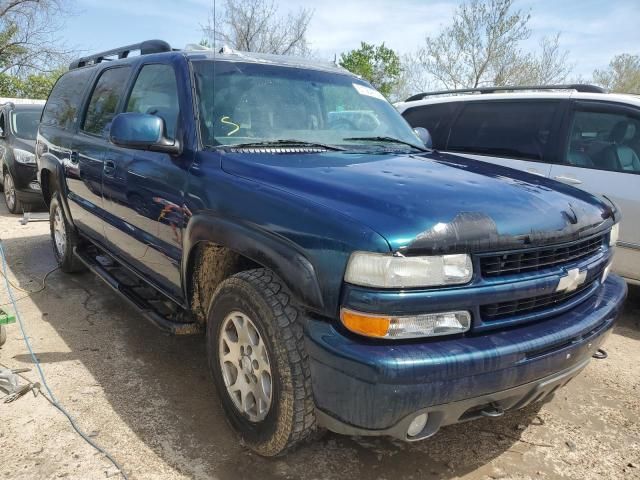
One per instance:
(432,203)
(24,144)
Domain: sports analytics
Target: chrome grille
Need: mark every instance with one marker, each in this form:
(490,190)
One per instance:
(497,311)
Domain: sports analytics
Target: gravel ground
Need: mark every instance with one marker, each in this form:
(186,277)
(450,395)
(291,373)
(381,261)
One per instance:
(147,398)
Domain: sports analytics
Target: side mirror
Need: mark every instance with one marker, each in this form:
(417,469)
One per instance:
(1,132)
(424,136)
(141,131)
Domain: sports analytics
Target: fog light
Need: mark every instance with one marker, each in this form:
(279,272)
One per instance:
(417,425)
(34,186)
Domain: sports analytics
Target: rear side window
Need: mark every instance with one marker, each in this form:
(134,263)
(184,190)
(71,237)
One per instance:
(605,141)
(507,129)
(156,93)
(105,99)
(62,106)
(434,118)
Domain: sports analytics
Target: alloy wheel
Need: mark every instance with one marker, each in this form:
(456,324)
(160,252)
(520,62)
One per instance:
(245,365)
(59,232)
(9,191)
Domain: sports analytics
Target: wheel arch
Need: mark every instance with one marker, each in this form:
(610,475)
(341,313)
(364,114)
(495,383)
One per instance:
(51,178)
(245,247)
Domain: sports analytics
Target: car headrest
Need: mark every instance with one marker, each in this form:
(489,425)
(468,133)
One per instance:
(619,132)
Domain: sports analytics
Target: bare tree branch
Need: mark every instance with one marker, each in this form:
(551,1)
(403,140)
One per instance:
(256,26)
(623,74)
(481,47)
(29,39)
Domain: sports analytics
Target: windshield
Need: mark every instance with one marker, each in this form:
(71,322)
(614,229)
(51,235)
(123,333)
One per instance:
(25,123)
(252,103)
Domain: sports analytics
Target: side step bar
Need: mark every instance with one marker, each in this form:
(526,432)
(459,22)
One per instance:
(144,307)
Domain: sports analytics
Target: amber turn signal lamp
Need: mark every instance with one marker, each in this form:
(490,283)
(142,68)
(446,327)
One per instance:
(365,324)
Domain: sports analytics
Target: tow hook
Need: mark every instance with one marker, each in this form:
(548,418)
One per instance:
(493,410)
(600,354)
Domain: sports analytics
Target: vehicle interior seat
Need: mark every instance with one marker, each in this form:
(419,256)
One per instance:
(635,140)
(577,155)
(619,156)
(579,159)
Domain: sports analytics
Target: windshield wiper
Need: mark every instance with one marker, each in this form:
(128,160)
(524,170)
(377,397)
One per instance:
(388,139)
(283,143)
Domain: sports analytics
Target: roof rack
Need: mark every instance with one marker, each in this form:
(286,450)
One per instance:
(147,47)
(578,87)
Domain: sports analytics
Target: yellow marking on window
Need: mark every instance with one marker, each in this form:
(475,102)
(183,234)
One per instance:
(227,121)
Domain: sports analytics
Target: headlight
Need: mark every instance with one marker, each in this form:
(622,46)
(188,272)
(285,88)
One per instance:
(409,326)
(614,234)
(22,156)
(390,271)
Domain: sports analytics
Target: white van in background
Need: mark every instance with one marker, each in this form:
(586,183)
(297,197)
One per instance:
(576,134)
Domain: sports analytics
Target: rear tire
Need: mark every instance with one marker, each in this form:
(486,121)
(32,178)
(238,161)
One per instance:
(10,197)
(263,380)
(63,238)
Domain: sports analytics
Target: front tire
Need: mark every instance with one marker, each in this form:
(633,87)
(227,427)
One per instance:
(10,197)
(63,237)
(259,364)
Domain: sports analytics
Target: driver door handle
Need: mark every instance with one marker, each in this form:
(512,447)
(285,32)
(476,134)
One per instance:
(569,180)
(109,167)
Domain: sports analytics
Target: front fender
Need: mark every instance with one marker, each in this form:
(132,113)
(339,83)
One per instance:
(50,177)
(272,251)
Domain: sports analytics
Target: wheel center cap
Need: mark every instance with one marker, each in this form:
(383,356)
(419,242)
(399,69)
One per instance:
(245,363)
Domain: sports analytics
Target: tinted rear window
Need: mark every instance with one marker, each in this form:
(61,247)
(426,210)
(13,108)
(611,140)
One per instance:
(508,129)
(434,118)
(62,107)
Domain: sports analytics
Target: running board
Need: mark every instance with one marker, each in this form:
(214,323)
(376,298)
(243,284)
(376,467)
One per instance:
(141,304)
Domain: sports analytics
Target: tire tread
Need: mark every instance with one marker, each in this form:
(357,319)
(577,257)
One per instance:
(286,328)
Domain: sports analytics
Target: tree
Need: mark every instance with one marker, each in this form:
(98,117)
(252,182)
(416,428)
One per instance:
(257,26)
(482,48)
(622,76)
(28,36)
(379,65)
(34,86)
(549,66)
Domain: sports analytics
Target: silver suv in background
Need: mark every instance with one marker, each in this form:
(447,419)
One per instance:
(576,134)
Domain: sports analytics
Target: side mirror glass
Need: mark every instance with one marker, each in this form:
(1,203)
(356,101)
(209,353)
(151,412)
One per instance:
(424,136)
(141,131)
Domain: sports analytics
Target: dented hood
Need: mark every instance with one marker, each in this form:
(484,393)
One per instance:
(433,203)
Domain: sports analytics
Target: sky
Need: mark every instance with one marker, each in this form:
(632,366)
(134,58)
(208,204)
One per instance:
(593,31)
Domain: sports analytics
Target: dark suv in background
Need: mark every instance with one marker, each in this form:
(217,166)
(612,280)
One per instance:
(345,276)
(18,130)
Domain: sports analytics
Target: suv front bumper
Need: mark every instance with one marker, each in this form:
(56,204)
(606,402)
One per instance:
(363,387)
(23,176)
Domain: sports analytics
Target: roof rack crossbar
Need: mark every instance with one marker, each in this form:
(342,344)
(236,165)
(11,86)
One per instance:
(578,87)
(147,47)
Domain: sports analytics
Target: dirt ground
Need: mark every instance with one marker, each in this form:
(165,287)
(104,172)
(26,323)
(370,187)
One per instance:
(147,398)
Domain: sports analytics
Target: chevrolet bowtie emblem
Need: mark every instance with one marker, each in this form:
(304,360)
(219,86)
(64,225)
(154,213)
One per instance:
(572,280)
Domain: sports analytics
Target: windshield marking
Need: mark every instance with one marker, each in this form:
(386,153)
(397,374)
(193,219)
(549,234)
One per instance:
(226,120)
